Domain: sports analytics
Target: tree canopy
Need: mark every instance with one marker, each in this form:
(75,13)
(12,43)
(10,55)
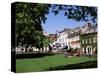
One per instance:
(28,21)
(78,13)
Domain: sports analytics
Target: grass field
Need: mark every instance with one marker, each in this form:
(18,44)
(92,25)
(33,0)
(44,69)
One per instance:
(54,62)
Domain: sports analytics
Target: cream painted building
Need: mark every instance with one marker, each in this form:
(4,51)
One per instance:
(74,40)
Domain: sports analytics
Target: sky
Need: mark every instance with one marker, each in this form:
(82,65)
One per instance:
(59,22)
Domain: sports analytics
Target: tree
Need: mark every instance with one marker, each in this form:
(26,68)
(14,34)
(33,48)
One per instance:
(29,17)
(78,13)
(46,41)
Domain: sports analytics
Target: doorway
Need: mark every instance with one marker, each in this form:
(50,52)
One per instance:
(89,50)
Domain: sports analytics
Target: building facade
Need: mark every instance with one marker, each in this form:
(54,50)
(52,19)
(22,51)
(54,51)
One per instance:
(62,37)
(74,40)
(52,37)
(89,43)
(84,38)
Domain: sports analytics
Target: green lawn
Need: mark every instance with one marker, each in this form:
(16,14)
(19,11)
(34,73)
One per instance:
(50,62)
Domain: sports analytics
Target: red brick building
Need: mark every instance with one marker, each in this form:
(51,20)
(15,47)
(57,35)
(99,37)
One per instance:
(52,37)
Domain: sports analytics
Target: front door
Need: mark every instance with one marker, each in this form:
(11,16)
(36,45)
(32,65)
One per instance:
(89,50)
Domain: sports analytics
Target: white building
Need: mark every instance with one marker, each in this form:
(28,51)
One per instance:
(62,37)
(71,37)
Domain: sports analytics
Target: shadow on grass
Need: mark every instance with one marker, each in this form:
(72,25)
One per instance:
(32,55)
(85,65)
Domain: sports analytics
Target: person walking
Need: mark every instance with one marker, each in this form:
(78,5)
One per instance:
(65,53)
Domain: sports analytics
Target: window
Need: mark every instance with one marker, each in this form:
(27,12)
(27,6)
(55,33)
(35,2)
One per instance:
(86,41)
(62,39)
(59,40)
(89,40)
(94,40)
(66,37)
(83,41)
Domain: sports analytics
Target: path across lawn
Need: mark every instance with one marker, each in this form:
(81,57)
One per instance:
(54,62)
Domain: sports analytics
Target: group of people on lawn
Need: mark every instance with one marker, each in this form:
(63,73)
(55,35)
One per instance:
(66,53)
